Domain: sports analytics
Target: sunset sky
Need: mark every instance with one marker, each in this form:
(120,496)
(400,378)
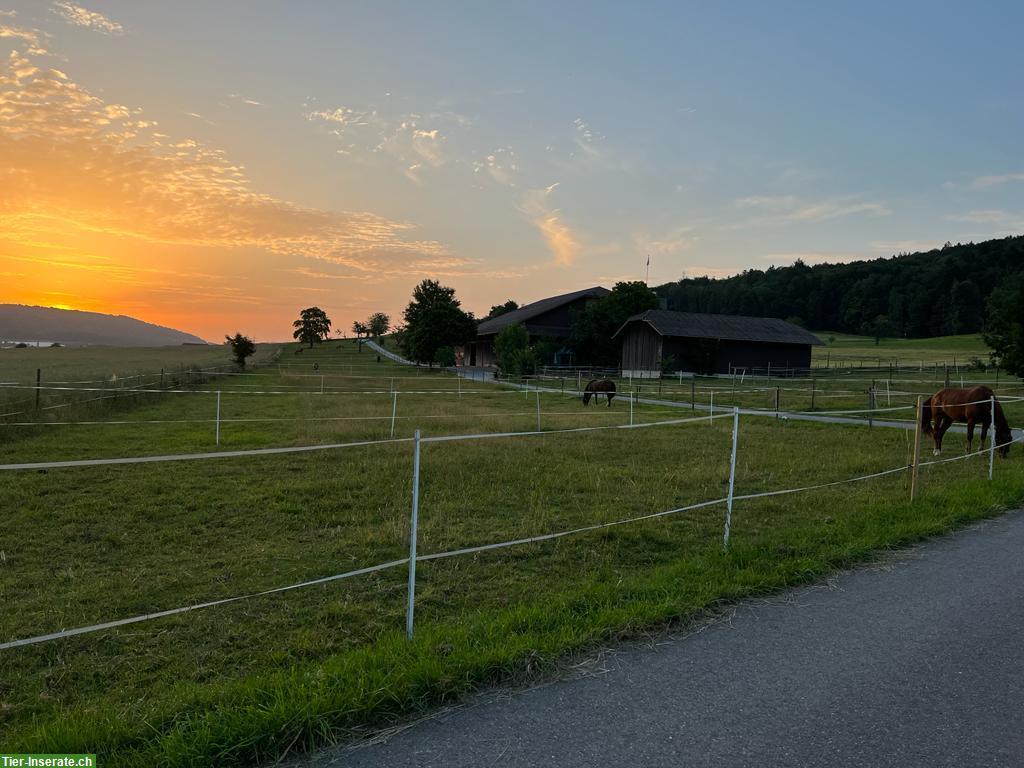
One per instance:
(217,166)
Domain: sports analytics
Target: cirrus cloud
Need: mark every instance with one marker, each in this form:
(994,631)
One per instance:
(83,17)
(73,160)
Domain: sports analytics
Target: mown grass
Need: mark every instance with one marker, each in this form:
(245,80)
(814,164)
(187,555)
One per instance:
(909,352)
(246,682)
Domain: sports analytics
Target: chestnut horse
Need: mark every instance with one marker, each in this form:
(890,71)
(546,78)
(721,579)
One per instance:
(970,406)
(597,387)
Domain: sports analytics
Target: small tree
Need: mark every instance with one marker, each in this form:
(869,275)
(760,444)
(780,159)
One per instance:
(512,351)
(312,327)
(358,328)
(242,347)
(879,328)
(377,325)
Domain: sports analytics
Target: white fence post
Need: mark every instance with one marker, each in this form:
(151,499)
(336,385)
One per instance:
(394,410)
(537,392)
(732,476)
(992,435)
(459,379)
(218,418)
(711,411)
(412,533)
(631,395)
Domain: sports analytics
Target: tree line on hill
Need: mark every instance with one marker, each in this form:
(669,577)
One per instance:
(935,293)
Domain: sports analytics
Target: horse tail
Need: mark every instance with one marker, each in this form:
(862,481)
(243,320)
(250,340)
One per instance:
(926,416)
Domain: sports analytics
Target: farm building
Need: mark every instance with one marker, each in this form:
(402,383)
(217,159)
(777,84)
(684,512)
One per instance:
(549,318)
(707,344)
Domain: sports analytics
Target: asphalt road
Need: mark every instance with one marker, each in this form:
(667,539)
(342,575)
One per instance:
(919,662)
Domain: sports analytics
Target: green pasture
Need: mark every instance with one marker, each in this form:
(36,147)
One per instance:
(244,683)
(857,351)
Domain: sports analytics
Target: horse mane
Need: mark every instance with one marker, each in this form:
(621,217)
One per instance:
(1002,425)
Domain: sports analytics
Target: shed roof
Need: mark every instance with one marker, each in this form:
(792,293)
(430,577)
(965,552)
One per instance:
(731,327)
(537,308)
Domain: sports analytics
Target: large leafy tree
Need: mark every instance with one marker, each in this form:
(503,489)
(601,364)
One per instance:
(434,323)
(501,309)
(242,347)
(378,323)
(1004,325)
(312,327)
(593,328)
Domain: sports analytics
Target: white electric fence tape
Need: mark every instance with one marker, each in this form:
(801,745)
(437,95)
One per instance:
(327,446)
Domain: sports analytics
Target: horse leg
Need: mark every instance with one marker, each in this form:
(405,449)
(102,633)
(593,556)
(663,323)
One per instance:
(941,425)
(970,433)
(984,434)
(610,396)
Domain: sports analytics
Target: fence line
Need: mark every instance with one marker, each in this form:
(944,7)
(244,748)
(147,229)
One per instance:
(414,557)
(328,446)
(273,419)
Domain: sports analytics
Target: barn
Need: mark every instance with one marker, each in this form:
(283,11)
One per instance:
(659,339)
(548,318)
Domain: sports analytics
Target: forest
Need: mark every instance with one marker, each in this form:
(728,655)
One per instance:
(933,293)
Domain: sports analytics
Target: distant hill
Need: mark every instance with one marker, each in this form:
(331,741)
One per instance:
(71,326)
(933,293)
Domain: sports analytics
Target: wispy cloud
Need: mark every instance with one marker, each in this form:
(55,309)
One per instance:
(983,182)
(560,239)
(244,100)
(71,161)
(83,17)
(33,37)
(413,141)
(1008,222)
(500,165)
(783,209)
(674,241)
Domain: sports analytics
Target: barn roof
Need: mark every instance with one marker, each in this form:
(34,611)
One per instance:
(731,327)
(530,311)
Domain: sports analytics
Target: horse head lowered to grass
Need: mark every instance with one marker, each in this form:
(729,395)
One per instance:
(596,388)
(967,406)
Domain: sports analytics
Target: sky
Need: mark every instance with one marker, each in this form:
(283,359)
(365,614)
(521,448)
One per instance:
(216,167)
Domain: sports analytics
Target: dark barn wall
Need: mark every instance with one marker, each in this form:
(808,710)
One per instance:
(641,349)
(752,354)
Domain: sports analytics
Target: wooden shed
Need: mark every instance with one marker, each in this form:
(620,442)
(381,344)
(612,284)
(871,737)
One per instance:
(706,344)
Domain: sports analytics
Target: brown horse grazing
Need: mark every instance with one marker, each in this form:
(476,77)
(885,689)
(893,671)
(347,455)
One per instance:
(597,387)
(970,406)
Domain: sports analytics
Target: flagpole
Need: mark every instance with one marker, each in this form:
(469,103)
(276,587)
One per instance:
(647,277)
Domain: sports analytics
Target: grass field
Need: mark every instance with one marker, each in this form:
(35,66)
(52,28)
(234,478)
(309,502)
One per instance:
(243,683)
(114,370)
(862,350)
